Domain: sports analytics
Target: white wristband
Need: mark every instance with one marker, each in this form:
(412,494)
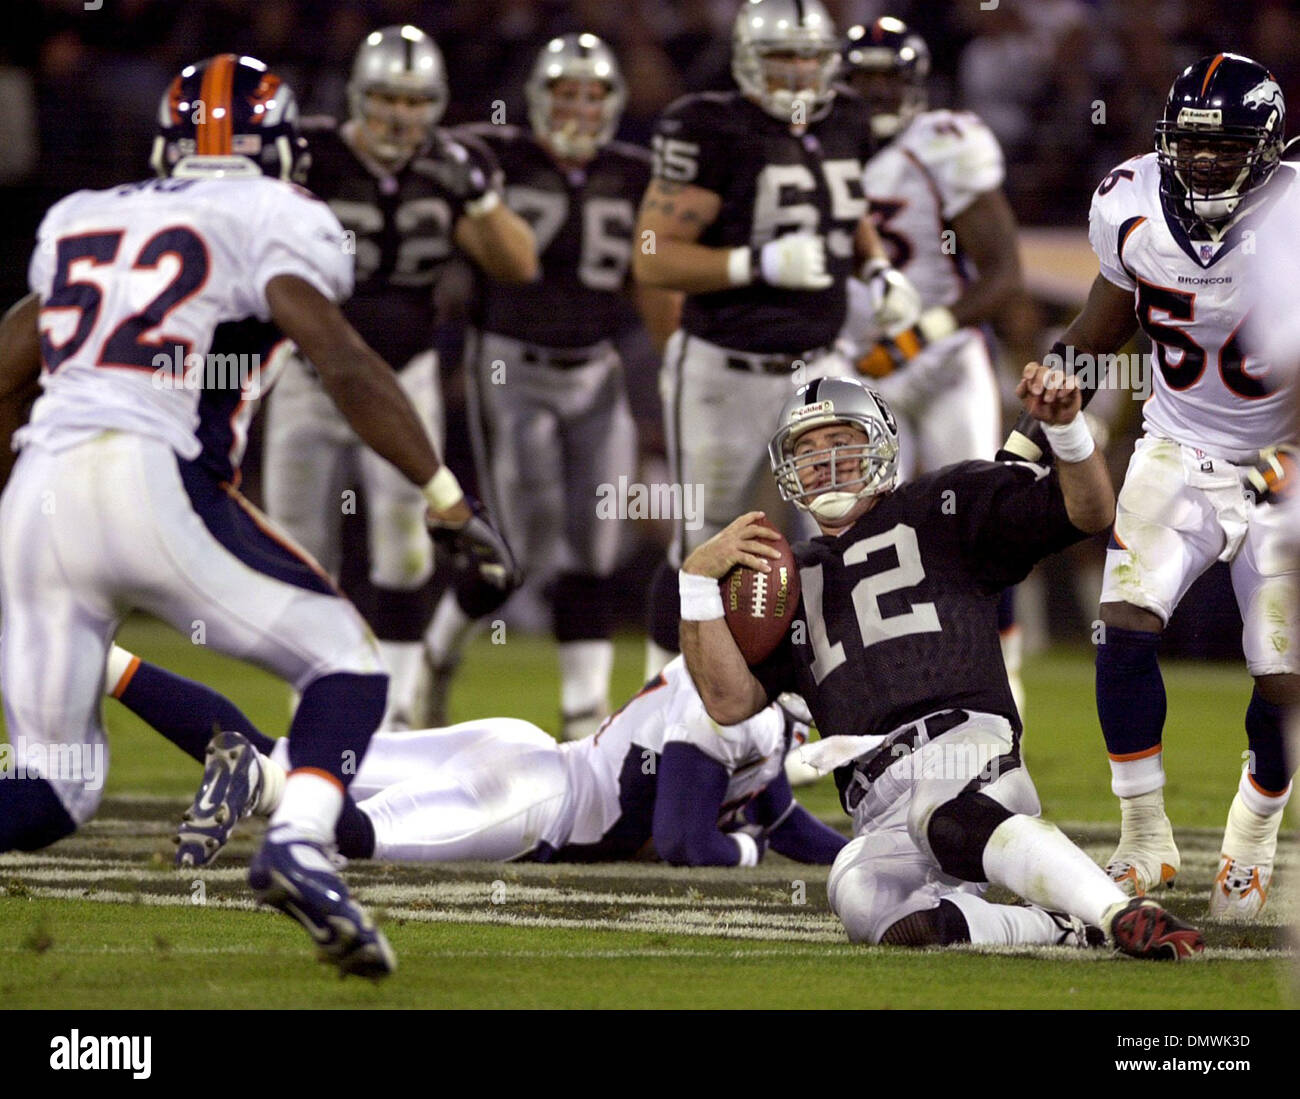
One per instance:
(701,598)
(485,205)
(748,848)
(1071,442)
(740,267)
(443,490)
(871,268)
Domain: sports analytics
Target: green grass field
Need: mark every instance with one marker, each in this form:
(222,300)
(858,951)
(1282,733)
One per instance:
(101,920)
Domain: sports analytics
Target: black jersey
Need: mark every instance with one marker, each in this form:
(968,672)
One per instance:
(898,617)
(401,226)
(771,182)
(583,221)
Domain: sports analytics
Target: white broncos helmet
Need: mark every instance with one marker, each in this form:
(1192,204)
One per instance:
(799,27)
(574,57)
(400,60)
(820,404)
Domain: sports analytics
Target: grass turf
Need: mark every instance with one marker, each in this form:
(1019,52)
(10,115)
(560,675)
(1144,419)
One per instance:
(62,945)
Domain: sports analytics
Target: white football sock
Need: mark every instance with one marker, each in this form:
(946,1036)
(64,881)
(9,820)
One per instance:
(310,806)
(119,668)
(273,779)
(404,661)
(1131,778)
(1005,924)
(585,668)
(1037,861)
(1251,836)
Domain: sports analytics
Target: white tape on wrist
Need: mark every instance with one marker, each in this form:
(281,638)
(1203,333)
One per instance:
(1071,442)
(443,490)
(748,848)
(740,267)
(700,596)
(485,205)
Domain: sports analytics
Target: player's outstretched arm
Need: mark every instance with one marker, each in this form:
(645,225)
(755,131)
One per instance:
(359,382)
(1106,324)
(1053,399)
(20,369)
(730,691)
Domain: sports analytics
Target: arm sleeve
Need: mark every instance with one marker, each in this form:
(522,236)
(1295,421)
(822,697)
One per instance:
(965,161)
(298,235)
(1013,516)
(1104,236)
(185,712)
(688,799)
(685,147)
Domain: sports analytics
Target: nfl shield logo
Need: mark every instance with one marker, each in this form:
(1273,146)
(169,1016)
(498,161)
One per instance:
(1206,252)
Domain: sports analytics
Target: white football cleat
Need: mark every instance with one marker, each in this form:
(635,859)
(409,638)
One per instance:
(1239,891)
(1240,888)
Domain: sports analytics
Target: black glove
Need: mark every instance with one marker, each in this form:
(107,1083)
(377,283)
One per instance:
(1274,473)
(476,544)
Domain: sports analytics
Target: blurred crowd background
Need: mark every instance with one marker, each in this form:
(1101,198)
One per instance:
(1070,87)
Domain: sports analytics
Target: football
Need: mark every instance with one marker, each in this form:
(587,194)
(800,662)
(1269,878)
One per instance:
(760,606)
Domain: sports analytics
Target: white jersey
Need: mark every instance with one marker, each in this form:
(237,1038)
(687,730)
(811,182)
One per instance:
(141,289)
(1208,390)
(612,774)
(931,173)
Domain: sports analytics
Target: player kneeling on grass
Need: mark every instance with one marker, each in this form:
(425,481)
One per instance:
(658,772)
(895,648)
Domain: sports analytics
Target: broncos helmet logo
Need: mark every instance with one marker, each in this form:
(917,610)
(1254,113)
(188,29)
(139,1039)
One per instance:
(1264,94)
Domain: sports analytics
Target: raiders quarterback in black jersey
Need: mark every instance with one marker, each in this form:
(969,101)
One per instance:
(409,196)
(560,428)
(894,647)
(756,212)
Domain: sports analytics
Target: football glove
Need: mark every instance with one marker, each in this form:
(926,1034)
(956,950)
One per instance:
(795,261)
(1274,474)
(462,174)
(897,303)
(476,545)
(891,354)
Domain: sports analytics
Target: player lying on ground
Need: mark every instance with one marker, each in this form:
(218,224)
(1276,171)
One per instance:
(658,771)
(902,671)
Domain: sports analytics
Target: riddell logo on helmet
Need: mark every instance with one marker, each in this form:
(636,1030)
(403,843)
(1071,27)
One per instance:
(821,408)
(1198,116)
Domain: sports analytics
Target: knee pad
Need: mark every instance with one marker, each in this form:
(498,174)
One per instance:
(959,830)
(939,926)
(31,815)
